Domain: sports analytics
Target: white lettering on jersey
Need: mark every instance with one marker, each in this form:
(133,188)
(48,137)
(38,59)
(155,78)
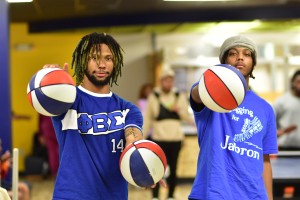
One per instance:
(97,124)
(242,111)
(232,146)
(70,120)
(250,128)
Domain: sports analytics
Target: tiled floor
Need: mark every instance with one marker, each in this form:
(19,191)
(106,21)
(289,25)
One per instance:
(42,190)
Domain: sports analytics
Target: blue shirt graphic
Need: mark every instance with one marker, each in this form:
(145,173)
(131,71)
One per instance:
(91,139)
(232,145)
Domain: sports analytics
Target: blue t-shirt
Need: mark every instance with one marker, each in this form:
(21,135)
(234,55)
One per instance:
(91,139)
(232,145)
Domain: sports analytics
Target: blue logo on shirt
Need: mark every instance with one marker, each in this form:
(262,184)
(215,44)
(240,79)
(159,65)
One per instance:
(102,123)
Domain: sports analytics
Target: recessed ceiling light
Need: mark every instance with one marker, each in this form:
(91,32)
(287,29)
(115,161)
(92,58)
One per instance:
(19,1)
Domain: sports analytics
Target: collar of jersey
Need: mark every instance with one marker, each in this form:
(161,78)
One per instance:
(93,93)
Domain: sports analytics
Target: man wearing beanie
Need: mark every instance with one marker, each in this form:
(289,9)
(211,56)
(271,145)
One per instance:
(234,161)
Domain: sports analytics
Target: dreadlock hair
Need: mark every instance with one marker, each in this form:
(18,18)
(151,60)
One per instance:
(87,46)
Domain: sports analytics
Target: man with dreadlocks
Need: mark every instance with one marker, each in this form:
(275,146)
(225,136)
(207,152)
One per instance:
(234,161)
(94,131)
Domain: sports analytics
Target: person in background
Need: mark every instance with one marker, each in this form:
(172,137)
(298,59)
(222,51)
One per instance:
(287,110)
(40,153)
(5,165)
(144,92)
(39,148)
(167,108)
(46,130)
(99,125)
(234,161)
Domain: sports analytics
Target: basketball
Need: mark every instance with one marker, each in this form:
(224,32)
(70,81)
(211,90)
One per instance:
(143,163)
(51,91)
(222,88)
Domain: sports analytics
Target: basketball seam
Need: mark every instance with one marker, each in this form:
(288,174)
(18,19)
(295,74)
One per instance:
(225,86)
(143,160)
(162,159)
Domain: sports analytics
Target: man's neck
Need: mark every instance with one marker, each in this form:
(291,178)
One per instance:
(105,89)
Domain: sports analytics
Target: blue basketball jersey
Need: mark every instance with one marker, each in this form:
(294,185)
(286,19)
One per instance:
(91,139)
(232,146)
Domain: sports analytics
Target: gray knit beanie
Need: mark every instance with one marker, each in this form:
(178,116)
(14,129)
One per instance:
(238,41)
